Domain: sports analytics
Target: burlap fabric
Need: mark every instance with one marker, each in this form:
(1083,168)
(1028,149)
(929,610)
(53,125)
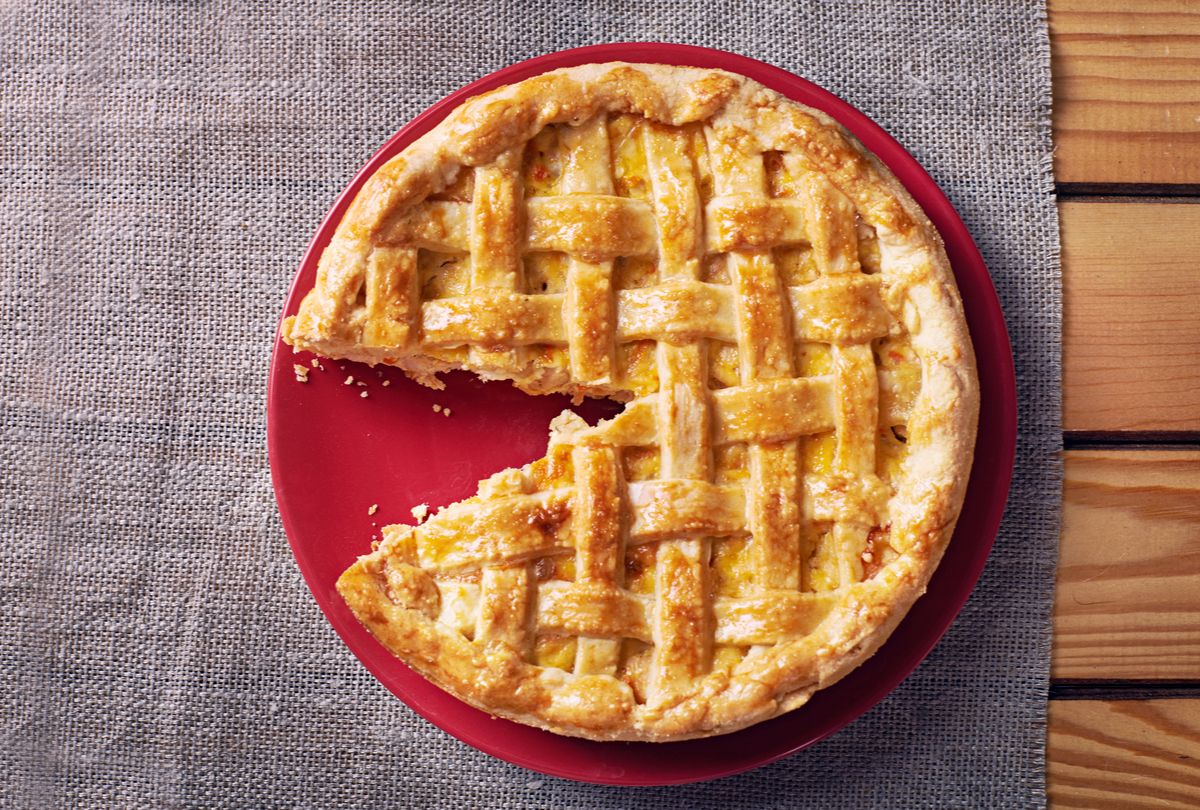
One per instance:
(164,165)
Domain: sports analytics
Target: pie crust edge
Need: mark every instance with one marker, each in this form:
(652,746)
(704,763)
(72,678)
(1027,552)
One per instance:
(941,428)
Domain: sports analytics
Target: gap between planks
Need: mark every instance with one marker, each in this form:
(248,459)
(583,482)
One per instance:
(1128,193)
(1131,440)
(1099,689)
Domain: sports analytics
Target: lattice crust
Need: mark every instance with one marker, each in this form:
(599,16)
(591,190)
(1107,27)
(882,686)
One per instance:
(782,321)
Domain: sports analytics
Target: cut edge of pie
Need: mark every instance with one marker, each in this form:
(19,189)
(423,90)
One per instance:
(469,597)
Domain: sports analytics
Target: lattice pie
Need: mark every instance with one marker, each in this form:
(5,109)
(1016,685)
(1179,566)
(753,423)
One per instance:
(781,320)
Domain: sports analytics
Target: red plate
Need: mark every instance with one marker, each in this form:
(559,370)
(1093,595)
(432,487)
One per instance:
(334,453)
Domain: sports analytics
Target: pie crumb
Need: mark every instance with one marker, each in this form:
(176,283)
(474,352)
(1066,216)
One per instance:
(363,395)
(386,383)
(374,508)
(301,372)
(437,408)
(420,512)
(445,412)
(349,380)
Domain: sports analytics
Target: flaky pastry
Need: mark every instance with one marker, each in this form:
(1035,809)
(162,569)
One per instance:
(782,323)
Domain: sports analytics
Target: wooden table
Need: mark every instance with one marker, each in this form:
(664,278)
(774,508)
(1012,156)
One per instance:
(1125,688)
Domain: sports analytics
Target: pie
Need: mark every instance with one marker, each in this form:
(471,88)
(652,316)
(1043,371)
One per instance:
(782,323)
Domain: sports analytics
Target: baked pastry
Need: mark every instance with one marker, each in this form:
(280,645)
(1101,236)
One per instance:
(782,322)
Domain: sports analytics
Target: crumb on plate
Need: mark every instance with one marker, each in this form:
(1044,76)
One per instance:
(301,372)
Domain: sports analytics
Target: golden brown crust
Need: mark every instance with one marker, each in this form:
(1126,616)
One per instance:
(460,598)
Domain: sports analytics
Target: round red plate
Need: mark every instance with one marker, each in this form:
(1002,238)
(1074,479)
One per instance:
(335,453)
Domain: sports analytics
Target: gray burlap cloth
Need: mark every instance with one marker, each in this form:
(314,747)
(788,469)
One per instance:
(164,166)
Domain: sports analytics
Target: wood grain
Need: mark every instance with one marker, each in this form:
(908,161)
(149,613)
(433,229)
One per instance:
(1131,319)
(1126,90)
(1124,754)
(1127,603)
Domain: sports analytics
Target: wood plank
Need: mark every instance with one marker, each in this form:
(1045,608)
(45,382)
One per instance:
(1131,326)
(1126,90)
(1123,754)
(1127,603)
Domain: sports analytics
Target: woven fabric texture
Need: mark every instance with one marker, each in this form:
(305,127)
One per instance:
(164,166)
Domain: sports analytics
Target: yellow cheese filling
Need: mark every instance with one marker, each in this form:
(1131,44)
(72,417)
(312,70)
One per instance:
(723,362)
(639,568)
(542,166)
(813,359)
(443,275)
(630,175)
(731,567)
(818,453)
(640,463)
(546,272)
(555,651)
